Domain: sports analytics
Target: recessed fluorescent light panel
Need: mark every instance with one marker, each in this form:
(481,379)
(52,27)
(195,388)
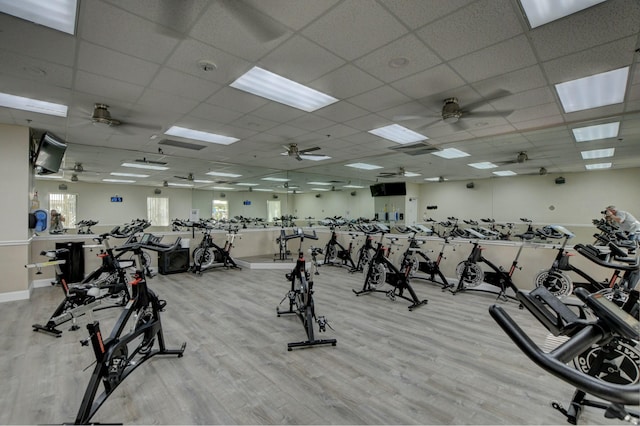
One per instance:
(598,90)
(398,133)
(540,12)
(225,188)
(200,135)
(433,179)
(275,179)
(128,175)
(411,174)
(353,186)
(59,15)
(593,133)
(320,183)
(119,180)
(597,153)
(186,185)
(268,85)
(247,184)
(144,166)
(320,189)
(450,153)
(363,166)
(263,190)
(315,157)
(33,105)
(483,165)
(202,181)
(504,173)
(597,166)
(223,174)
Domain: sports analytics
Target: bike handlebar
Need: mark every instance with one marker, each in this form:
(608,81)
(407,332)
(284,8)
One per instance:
(555,361)
(149,242)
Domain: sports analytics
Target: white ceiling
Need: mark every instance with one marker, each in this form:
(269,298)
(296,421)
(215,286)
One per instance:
(148,74)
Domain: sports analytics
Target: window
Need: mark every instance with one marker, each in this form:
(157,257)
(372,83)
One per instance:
(220,210)
(273,210)
(65,211)
(158,211)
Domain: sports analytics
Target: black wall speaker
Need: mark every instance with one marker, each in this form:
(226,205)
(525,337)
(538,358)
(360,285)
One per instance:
(353,193)
(173,261)
(318,195)
(560,180)
(157,191)
(470,185)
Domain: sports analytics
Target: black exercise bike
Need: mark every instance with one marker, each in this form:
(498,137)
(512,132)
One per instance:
(335,254)
(133,338)
(301,304)
(559,283)
(208,255)
(381,271)
(471,275)
(367,249)
(420,262)
(607,370)
(105,287)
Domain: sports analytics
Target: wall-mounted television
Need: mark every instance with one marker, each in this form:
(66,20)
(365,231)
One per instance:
(49,154)
(388,189)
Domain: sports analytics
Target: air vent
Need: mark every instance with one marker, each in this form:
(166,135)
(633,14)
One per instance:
(419,148)
(179,144)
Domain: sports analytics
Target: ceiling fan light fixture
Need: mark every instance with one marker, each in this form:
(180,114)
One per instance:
(542,171)
(522,157)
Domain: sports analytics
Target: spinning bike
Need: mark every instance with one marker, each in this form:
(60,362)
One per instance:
(132,339)
(471,274)
(107,282)
(301,304)
(560,284)
(209,255)
(334,251)
(367,249)
(284,238)
(420,261)
(604,376)
(381,271)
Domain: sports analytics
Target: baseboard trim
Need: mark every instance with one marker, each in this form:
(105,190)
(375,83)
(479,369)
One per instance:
(13,296)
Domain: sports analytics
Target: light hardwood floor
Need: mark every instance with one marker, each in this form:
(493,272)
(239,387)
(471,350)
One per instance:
(444,363)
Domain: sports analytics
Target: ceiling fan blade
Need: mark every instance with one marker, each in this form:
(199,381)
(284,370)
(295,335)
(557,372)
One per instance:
(486,99)
(175,17)
(429,123)
(458,126)
(304,151)
(298,157)
(482,114)
(261,26)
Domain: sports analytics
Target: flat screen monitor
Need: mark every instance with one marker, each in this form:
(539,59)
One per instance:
(49,154)
(377,190)
(388,189)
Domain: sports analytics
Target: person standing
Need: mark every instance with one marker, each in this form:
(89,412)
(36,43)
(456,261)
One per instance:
(625,220)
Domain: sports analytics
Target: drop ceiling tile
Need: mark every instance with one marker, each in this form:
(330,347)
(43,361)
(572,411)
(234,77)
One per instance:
(409,47)
(599,24)
(286,131)
(345,82)
(538,111)
(153,97)
(59,48)
(101,61)
(184,85)
(432,81)
(107,87)
(215,113)
(368,122)
(300,60)
(35,69)
(311,122)
(346,29)
(277,112)
(380,99)
(589,62)
(341,111)
(492,61)
(182,17)
(253,123)
(452,36)
(100,18)
(416,13)
(189,52)
(236,100)
(29,88)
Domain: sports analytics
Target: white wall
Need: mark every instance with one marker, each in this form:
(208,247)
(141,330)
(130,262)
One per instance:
(333,203)
(574,204)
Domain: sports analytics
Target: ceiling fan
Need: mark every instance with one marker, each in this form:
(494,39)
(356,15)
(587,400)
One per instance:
(176,18)
(520,158)
(452,111)
(78,168)
(145,160)
(189,177)
(401,172)
(102,116)
(294,151)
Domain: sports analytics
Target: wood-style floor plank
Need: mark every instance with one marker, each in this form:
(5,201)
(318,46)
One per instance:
(444,363)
